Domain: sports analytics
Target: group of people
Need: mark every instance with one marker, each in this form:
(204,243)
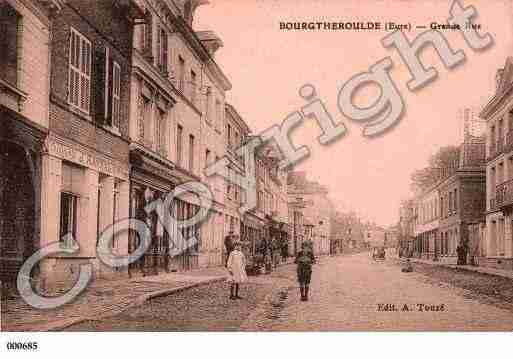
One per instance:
(236,265)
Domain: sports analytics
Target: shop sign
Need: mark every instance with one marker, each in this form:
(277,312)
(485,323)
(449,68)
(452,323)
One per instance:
(86,159)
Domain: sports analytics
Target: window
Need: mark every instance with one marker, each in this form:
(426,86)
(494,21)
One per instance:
(219,116)
(146,120)
(147,37)
(116,95)
(181,73)
(500,131)
(115,207)
(79,83)
(191,153)
(510,121)
(229,135)
(208,156)
(107,89)
(161,132)
(208,104)
(236,140)
(455,200)
(193,87)
(68,223)
(10,23)
(71,180)
(163,51)
(179,145)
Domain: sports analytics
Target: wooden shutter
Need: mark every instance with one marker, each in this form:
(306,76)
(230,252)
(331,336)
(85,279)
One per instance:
(148,33)
(159,49)
(109,89)
(99,80)
(165,57)
(116,94)
(85,76)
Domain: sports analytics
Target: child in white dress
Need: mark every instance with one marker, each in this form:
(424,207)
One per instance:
(237,268)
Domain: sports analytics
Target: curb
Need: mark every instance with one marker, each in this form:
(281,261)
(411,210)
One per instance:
(457,268)
(136,302)
(161,293)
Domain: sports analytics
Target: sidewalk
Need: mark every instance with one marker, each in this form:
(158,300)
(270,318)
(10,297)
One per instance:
(102,299)
(483,270)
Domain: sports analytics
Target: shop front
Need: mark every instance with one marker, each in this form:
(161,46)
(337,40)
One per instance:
(84,192)
(252,234)
(152,179)
(149,182)
(20,190)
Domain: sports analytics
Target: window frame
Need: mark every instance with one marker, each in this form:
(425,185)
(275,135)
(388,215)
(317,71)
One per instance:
(191,152)
(116,96)
(73,219)
(76,66)
(179,145)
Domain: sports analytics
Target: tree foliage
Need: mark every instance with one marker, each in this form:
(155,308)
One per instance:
(441,161)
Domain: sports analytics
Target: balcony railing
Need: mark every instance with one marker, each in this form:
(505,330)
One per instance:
(504,194)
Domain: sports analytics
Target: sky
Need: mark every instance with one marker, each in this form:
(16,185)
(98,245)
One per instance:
(267,66)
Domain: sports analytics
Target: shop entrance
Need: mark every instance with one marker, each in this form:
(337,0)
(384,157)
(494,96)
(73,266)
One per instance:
(17,211)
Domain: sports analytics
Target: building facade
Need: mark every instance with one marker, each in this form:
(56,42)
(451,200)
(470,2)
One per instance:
(318,209)
(85,178)
(427,222)
(24,125)
(243,226)
(444,213)
(176,129)
(497,246)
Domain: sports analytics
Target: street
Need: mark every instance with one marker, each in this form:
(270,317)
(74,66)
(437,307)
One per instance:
(347,293)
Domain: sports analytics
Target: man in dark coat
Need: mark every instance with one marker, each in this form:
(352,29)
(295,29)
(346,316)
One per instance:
(304,260)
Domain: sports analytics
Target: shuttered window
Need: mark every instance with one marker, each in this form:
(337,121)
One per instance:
(79,82)
(116,95)
(163,50)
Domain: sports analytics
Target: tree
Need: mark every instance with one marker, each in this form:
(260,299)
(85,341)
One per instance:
(441,162)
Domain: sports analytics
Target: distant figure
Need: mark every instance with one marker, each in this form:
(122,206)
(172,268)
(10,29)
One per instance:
(229,245)
(461,251)
(304,260)
(408,268)
(237,268)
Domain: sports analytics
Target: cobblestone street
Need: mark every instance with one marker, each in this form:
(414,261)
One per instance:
(345,295)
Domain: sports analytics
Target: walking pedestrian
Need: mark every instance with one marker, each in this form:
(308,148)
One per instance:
(237,268)
(304,260)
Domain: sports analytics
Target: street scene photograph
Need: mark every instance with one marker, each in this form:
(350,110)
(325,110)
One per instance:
(242,166)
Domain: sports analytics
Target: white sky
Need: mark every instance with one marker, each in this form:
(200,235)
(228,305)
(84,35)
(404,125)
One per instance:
(267,66)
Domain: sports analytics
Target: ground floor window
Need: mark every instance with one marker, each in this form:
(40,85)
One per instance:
(72,177)
(68,223)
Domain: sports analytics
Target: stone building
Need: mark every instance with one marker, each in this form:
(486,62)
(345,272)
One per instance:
(406,226)
(24,125)
(497,243)
(462,199)
(177,125)
(236,133)
(444,212)
(427,222)
(317,209)
(85,176)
